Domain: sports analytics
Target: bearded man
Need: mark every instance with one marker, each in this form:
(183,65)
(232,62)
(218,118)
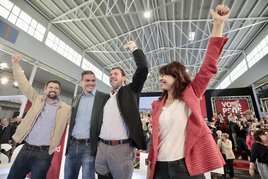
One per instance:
(41,128)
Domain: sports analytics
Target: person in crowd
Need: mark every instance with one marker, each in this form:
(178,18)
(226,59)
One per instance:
(121,128)
(253,126)
(232,124)
(1,126)
(41,128)
(219,133)
(261,124)
(249,115)
(17,121)
(225,146)
(250,140)
(182,144)
(251,118)
(7,132)
(6,135)
(149,135)
(244,122)
(213,128)
(266,127)
(206,121)
(144,127)
(256,121)
(266,119)
(259,154)
(241,134)
(223,124)
(83,136)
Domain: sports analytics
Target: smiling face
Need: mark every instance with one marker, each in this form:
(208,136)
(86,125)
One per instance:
(88,83)
(264,137)
(116,79)
(52,90)
(167,82)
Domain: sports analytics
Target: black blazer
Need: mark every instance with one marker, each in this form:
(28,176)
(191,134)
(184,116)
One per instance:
(7,133)
(96,116)
(128,101)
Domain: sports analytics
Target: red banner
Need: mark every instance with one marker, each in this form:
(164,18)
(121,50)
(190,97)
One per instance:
(54,170)
(231,105)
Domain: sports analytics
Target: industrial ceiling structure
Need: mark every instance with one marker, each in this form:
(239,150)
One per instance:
(177,30)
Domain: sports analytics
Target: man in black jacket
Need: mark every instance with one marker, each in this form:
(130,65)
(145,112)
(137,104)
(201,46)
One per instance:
(121,129)
(7,132)
(83,135)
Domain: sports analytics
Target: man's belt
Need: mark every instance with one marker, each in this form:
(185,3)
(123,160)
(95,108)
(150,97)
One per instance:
(115,142)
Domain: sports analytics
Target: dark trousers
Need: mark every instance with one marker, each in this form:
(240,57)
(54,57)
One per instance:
(34,160)
(173,170)
(230,165)
(241,143)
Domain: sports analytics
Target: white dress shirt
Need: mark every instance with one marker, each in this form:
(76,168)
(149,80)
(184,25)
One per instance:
(113,126)
(172,131)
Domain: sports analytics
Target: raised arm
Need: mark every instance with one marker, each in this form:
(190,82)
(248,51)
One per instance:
(219,16)
(216,43)
(141,72)
(21,79)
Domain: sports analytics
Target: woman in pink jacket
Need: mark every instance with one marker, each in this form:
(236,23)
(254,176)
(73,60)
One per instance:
(250,140)
(182,144)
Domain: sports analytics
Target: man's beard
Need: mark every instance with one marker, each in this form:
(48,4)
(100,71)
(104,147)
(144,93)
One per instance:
(52,97)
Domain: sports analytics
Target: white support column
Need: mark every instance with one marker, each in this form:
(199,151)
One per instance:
(76,88)
(47,30)
(256,101)
(24,101)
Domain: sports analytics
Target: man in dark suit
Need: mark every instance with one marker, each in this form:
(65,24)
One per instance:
(121,128)
(7,132)
(83,138)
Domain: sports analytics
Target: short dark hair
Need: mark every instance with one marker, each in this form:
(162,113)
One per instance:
(178,71)
(52,81)
(8,119)
(122,71)
(258,133)
(86,72)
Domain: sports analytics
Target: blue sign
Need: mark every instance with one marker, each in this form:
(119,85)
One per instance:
(8,32)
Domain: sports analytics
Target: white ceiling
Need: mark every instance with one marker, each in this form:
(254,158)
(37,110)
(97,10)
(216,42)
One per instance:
(101,28)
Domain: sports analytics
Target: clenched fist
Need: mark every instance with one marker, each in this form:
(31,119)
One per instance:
(16,59)
(131,46)
(220,14)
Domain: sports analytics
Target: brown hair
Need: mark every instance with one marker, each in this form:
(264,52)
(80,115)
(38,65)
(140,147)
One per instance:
(178,71)
(258,133)
(86,72)
(53,81)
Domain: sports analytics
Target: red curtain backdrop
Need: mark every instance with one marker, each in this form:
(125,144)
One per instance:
(231,105)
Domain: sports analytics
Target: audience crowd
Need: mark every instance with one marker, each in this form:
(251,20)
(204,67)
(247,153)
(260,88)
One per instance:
(7,129)
(233,133)
(238,127)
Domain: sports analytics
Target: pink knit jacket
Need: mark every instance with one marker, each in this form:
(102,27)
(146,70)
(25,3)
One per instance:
(201,152)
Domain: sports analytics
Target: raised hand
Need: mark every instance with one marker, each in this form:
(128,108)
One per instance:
(220,14)
(16,59)
(130,46)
